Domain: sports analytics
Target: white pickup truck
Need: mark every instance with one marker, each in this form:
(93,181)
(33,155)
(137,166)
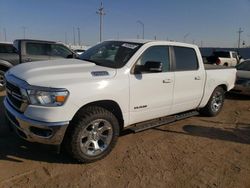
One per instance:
(127,84)
(224,58)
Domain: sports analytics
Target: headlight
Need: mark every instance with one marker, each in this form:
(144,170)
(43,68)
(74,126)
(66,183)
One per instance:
(47,98)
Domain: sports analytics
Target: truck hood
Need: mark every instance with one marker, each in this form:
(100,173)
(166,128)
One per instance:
(58,73)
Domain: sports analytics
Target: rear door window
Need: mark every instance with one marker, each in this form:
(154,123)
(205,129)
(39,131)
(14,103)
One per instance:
(37,49)
(185,59)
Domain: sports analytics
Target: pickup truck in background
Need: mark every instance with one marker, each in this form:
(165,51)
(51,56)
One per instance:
(25,50)
(224,58)
(84,104)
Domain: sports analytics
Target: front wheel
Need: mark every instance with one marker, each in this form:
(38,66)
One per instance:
(215,103)
(94,132)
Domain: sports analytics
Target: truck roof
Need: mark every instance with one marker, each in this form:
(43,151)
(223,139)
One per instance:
(144,41)
(6,42)
(34,40)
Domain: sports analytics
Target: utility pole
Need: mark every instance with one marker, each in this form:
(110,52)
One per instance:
(101,13)
(79,36)
(74,36)
(5,34)
(155,37)
(142,24)
(249,37)
(66,38)
(185,36)
(24,31)
(240,31)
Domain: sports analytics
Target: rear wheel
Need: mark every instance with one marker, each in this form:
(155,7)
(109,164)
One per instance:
(93,134)
(2,80)
(215,103)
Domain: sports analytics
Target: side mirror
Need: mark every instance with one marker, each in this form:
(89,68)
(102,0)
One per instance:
(73,55)
(149,67)
(153,66)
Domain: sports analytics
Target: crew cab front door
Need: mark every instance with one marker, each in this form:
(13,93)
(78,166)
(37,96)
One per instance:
(151,92)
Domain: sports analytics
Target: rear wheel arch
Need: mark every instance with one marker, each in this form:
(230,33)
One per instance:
(216,99)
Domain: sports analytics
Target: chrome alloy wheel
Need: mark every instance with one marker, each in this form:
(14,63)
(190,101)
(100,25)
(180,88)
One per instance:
(217,101)
(96,137)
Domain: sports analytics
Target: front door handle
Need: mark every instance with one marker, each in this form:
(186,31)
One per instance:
(166,81)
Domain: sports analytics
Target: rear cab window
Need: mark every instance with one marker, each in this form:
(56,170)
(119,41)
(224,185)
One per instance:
(185,59)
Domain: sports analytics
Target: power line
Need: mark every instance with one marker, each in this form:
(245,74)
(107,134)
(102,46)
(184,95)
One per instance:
(101,13)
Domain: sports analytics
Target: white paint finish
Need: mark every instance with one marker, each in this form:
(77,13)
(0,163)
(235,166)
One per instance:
(188,90)
(150,90)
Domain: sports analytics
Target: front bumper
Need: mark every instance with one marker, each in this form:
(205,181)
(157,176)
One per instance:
(35,131)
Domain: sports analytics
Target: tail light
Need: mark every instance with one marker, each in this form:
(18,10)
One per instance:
(218,61)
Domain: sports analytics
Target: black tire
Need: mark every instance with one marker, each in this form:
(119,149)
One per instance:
(215,103)
(83,123)
(2,81)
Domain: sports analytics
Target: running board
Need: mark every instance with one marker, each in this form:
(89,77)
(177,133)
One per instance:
(161,121)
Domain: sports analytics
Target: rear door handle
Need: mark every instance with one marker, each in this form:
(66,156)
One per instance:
(197,78)
(166,81)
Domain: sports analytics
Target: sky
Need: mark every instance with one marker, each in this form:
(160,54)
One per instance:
(210,23)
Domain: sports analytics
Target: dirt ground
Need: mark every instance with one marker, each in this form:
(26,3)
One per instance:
(196,152)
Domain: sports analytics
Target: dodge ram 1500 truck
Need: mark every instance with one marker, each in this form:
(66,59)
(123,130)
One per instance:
(85,103)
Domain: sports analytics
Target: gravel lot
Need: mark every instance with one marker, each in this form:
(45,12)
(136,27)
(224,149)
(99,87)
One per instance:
(196,152)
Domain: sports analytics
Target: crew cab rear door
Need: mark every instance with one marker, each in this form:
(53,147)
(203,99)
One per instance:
(189,78)
(151,92)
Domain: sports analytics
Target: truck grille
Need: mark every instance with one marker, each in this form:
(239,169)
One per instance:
(15,97)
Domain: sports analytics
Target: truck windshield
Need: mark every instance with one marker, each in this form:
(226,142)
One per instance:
(114,54)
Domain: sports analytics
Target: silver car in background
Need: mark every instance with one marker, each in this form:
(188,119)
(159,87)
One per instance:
(242,85)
